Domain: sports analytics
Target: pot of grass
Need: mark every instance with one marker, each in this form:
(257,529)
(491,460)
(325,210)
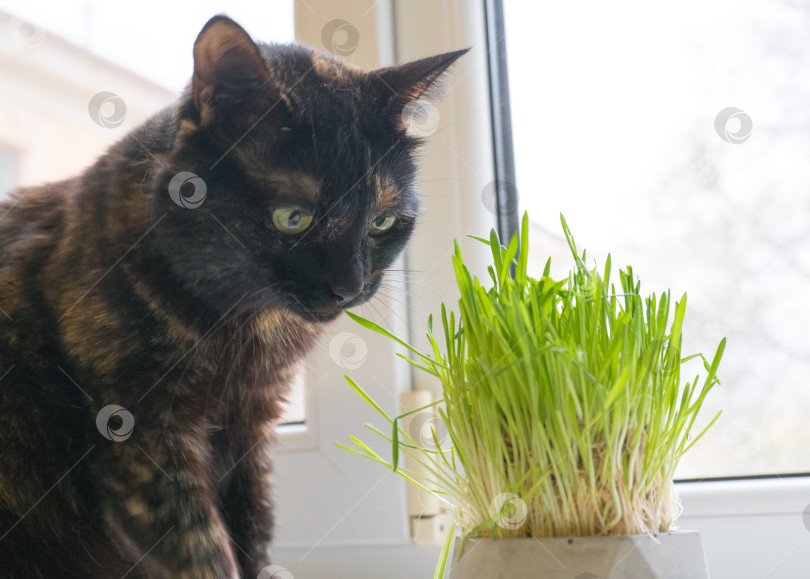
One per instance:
(566,415)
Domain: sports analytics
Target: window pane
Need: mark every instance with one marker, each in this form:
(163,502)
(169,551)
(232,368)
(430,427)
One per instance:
(295,411)
(56,56)
(623,121)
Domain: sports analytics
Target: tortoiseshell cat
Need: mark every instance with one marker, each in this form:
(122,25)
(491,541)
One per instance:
(148,327)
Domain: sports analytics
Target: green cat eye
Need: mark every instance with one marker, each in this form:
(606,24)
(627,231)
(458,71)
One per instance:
(291,220)
(382,223)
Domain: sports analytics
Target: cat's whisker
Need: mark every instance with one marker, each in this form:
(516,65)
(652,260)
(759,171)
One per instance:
(405,274)
(408,275)
(398,289)
(371,305)
(409,281)
(414,284)
(403,297)
(391,294)
(381,319)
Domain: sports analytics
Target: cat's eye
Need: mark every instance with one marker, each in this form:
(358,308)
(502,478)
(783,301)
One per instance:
(291,220)
(381,223)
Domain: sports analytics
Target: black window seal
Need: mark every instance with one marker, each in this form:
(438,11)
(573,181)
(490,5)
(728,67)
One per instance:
(507,199)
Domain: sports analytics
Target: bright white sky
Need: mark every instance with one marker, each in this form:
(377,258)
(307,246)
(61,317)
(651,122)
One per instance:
(613,109)
(150,37)
(605,93)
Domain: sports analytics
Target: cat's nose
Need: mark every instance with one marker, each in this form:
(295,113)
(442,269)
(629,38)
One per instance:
(346,288)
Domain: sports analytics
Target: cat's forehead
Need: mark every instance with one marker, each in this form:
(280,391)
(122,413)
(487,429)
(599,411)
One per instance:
(334,69)
(291,185)
(330,147)
(302,70)
(379,190)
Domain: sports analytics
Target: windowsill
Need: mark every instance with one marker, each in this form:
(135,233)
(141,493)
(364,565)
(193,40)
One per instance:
(751,529)
(296,437)
(745,497)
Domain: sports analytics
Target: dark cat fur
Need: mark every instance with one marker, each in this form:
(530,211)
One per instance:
(190,319)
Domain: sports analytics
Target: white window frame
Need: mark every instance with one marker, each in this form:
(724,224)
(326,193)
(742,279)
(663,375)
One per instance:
(341,516)
(337,514)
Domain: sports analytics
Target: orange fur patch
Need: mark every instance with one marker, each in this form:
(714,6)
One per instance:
(293,185)
(387,195)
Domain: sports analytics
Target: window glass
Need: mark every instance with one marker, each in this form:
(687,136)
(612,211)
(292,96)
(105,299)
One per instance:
(675,136)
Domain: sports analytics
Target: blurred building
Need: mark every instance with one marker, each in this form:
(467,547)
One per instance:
(51,126)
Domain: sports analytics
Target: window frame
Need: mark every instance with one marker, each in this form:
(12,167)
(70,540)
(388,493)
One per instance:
(455,166)
(507,201)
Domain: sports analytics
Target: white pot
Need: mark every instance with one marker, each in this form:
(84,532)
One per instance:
(666,556)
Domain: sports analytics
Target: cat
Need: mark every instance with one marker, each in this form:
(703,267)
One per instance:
(152,309)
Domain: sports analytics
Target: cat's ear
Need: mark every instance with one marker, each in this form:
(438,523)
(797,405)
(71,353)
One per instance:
(226,63)
(412,80)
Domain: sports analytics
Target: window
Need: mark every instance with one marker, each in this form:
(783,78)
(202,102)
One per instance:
(676,137)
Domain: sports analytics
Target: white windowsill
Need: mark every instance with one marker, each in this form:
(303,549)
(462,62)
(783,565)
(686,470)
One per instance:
(745,497)
(751,529)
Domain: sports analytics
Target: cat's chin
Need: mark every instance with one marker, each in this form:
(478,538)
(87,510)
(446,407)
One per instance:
(326,316)
(320,315)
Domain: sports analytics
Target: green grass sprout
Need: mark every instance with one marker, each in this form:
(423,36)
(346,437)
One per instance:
(566,394)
